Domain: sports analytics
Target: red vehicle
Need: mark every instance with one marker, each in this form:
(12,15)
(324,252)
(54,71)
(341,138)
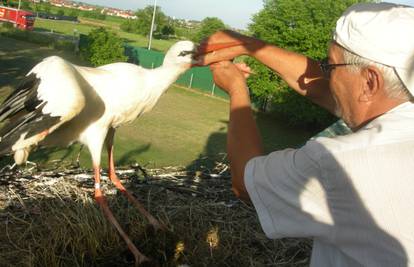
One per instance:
(20,18)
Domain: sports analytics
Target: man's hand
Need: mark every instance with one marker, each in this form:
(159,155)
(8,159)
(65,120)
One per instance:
(226,36)
(211,49)
(230,77)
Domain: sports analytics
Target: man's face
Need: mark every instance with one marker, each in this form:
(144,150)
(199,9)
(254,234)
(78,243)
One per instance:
(345,86)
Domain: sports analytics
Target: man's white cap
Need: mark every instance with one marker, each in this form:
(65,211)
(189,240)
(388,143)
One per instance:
(381,32)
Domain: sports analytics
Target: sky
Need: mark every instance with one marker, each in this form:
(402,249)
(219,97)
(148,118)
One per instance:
(235,13)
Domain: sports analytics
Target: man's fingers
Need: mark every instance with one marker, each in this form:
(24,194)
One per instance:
(242,67)
(245,69)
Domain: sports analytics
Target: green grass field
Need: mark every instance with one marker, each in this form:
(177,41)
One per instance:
(184,127)
(87,24)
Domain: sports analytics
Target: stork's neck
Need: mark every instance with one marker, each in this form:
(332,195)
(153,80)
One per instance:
(166,75)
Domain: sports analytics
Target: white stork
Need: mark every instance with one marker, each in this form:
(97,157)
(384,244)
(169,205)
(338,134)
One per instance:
(59,103)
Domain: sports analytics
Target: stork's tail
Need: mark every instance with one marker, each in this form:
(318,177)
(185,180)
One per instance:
(25,123)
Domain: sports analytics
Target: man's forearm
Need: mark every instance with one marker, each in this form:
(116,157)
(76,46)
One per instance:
(300,72)
(243,140)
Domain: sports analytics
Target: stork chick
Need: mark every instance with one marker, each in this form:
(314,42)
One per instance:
(59,103)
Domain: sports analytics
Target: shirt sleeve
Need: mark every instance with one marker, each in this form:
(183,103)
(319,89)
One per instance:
(286,188)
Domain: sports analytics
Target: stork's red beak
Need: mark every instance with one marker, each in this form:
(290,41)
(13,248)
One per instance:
(207,48)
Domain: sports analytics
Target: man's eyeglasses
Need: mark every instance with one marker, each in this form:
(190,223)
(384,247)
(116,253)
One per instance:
(327,68)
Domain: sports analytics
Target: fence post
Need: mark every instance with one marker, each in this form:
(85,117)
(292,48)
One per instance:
(212,89)
(191,80)
(76,40)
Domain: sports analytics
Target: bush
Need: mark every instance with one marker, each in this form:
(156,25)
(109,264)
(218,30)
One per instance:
(7,25)
(103,47)
(93,15)
(129,25)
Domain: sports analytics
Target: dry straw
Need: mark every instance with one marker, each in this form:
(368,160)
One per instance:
(49,218)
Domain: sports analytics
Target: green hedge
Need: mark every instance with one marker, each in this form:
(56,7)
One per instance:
(47,39)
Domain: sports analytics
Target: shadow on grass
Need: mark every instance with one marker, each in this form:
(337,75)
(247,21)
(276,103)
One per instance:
(12,69)
(275,132)
(131,156)
(47,156)
(17,58)
(214,151)
(40,29)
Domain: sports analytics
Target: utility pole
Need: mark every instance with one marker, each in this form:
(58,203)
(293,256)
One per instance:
(152,24)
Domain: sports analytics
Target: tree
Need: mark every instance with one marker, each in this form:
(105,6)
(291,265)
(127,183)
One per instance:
(167,30)
(25,5)
(142,25)
(301,26)
(60,12)
(37,7)
(103,47)
(46,7)
(129,25)
(74,13)
(208,26)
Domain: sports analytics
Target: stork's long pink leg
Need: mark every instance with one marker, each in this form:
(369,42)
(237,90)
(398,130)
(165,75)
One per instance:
(101,199)
(114,178)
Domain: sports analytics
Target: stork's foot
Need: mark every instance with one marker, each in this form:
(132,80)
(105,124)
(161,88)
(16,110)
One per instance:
(151,219)
(140,258)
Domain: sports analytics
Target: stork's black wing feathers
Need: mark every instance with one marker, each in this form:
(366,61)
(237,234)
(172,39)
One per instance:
(24,97)
(32,123)
(23,110)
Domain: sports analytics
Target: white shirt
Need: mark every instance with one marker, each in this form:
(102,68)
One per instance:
(353,194)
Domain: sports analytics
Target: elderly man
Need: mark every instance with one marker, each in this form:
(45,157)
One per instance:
(353,194)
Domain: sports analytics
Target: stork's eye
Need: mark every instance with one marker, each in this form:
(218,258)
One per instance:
(184,53)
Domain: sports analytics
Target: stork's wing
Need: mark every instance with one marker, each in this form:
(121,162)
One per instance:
(49,95)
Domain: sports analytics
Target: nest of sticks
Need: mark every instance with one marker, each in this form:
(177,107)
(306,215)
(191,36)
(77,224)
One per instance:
(49,218)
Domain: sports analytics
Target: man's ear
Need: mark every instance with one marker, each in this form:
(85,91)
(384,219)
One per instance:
(373,83)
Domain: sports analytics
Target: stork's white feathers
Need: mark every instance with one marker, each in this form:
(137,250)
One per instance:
(61,88)
(59,102)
